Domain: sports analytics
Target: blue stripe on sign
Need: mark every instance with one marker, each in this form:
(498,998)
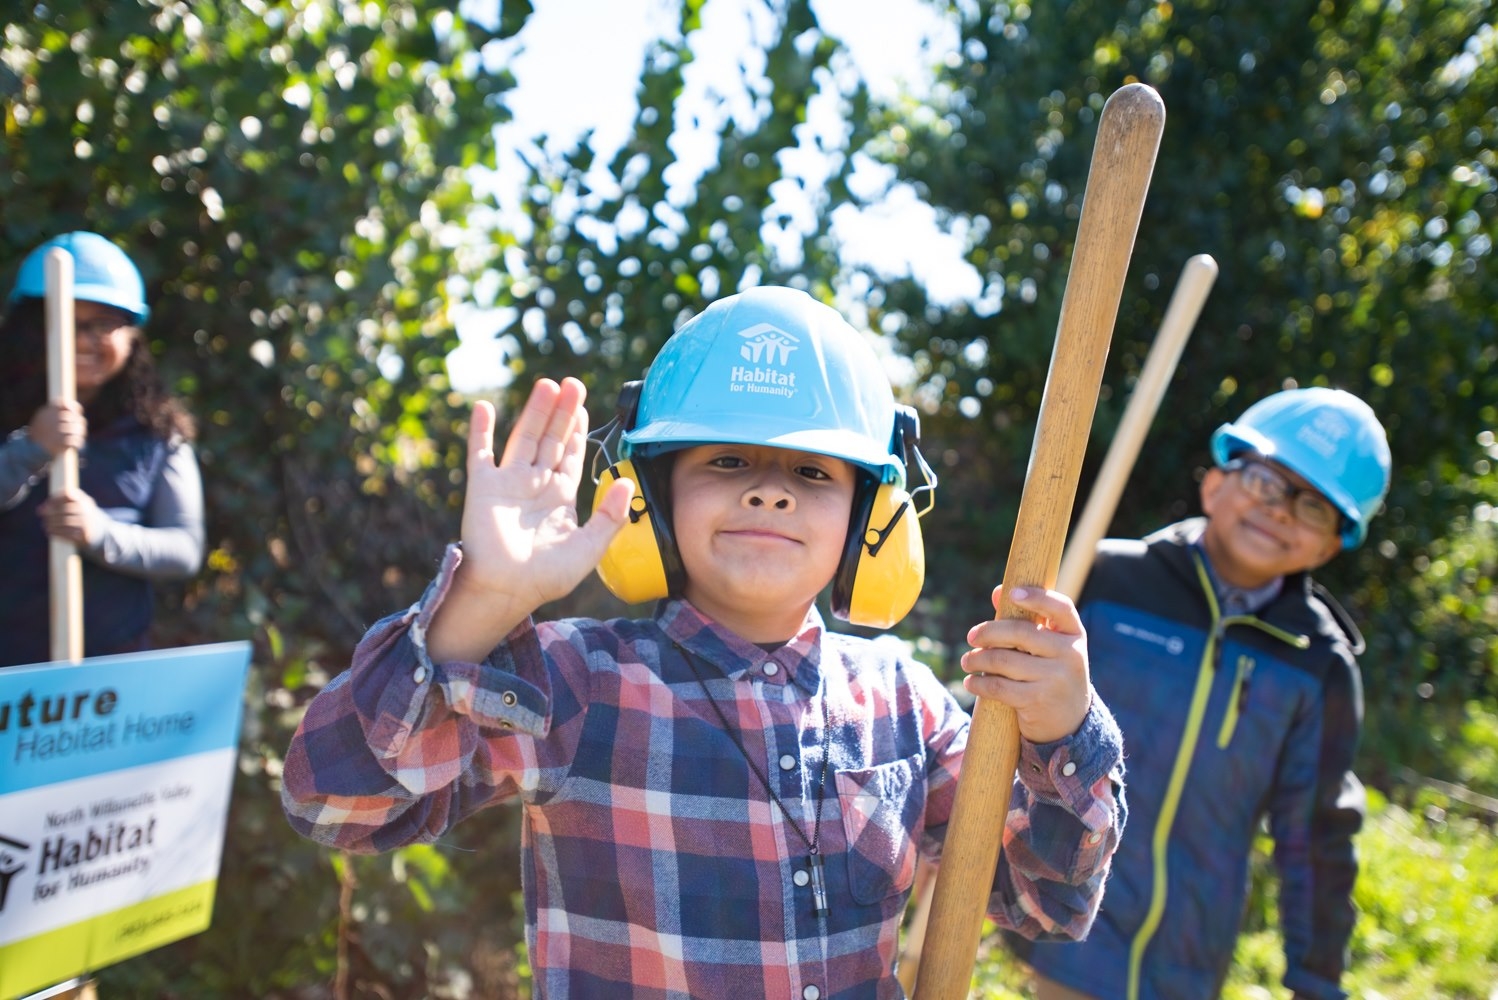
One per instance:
(60,721)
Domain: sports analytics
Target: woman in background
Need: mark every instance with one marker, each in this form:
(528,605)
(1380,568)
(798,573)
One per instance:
(137,515)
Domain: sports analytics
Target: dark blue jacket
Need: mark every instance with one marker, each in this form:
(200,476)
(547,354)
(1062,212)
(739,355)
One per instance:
(118,467)
(1225,720)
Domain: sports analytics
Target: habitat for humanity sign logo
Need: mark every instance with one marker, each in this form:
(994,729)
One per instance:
(768,350)
(11,864)
(115,779)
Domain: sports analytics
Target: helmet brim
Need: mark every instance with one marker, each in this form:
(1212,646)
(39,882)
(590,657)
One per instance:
(659,436)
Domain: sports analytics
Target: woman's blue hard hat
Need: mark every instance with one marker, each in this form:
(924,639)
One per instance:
(101,273)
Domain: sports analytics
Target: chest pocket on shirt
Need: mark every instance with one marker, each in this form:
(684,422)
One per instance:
(881,807)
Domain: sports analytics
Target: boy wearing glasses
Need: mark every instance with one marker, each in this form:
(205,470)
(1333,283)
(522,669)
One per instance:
(1233,677)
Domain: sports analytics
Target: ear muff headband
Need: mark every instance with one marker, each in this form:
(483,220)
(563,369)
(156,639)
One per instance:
(642,563)
(878,578)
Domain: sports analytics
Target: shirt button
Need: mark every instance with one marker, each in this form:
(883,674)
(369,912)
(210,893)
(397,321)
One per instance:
(1069,768)
(1094,837)
(509,699)
(811,993)
(801,877)
(771,669)
(420,675)
(787,762)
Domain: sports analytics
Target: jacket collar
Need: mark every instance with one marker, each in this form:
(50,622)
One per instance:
(1303,605)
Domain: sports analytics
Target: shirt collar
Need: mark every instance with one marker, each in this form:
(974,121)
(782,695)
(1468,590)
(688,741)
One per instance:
(799,659)
(1239,600)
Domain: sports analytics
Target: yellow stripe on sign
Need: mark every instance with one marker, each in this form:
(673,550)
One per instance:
(35,963)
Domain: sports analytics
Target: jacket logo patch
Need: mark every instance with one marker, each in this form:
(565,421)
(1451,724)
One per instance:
(1172,644)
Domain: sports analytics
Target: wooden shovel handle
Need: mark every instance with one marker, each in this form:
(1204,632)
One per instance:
(65,568)
(1123,159)
(1165,353)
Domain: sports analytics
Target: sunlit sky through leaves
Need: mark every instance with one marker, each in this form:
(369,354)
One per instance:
(577,64)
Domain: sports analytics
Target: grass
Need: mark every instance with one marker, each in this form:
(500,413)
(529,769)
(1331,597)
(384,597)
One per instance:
(1427,926)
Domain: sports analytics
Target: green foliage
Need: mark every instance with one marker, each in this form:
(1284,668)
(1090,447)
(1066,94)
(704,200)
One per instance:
(1343,181)
(613,265)
(1478,738)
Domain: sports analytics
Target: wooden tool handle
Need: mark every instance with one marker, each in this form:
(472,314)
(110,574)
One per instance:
(65,568)
(1165,353)
(1123,159)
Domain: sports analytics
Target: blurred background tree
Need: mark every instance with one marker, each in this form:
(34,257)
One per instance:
(296,180)
(1344,183)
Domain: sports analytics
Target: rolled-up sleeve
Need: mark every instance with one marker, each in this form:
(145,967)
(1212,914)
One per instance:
(1066,815)
(397,749)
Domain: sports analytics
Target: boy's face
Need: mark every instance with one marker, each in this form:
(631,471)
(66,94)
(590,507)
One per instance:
(1250,538)
(760,531)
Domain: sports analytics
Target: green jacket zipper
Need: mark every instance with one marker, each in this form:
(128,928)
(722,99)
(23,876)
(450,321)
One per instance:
(1237,698)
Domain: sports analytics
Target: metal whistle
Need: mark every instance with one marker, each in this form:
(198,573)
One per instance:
(819,905)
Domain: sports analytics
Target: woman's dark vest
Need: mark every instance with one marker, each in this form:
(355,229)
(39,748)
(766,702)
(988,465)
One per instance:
(119,468)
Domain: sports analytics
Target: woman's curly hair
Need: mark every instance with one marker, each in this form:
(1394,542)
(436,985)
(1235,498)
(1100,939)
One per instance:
(137,390)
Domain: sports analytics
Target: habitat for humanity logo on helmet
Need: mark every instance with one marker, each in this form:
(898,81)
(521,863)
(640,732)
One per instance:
(768,350)
(11,864)
(1324,433)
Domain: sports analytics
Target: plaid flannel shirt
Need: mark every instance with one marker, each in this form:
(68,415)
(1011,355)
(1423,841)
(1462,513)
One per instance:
(654,863)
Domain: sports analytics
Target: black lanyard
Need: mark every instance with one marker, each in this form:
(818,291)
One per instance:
(814,858)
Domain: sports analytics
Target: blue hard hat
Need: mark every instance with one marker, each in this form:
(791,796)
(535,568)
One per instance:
(101,273)
(1330,437)
(770,366)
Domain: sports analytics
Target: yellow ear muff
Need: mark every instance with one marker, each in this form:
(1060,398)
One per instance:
(885,566)
(632,568)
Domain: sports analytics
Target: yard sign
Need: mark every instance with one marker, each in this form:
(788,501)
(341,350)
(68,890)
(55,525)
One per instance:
(115,777)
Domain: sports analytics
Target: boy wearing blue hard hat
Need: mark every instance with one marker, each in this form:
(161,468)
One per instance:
(1234,679)
(724,798)
(137,515)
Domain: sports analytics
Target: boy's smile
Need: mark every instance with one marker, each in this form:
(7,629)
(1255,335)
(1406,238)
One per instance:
(760,531)
(1251,541)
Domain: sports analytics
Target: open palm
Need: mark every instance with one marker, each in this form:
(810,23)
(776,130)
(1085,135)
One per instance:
(521,536)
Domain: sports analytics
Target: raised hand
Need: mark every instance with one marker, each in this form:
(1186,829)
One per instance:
(1038,668)
(522,543)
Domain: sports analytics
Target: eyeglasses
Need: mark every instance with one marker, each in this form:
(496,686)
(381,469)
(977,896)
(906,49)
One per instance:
(1265,485)
(99,327)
